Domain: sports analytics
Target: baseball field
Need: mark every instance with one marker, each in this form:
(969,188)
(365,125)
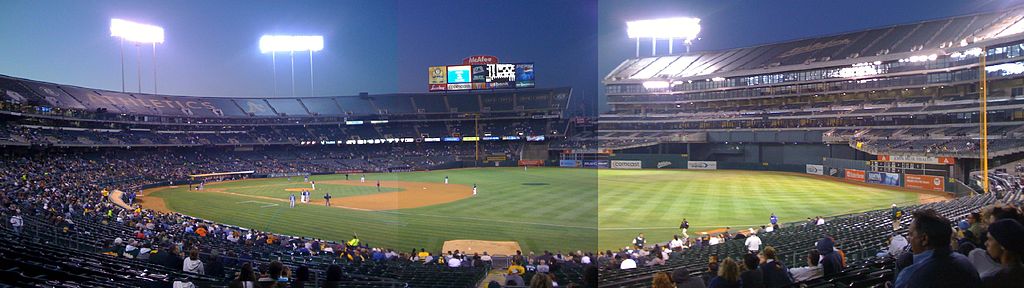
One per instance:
(554,209)
(655,201)
(540,208)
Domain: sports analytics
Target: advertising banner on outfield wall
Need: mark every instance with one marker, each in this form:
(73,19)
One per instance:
(596,164)
(531,162)
(916,159)
(626,164)
(702,165)
(855,175)
(891,179)
(815,169)
(568,163)
(926,182)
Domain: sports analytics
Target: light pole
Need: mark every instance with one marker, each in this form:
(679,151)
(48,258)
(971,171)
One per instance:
(290,43)
(138,34)
(667,28)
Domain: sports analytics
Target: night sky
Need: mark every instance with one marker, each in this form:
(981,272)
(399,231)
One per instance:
(211,47)
(386,46)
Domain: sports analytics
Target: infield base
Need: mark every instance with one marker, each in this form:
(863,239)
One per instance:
(480,246)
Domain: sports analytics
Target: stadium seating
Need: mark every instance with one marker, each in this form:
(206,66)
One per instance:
(859,235)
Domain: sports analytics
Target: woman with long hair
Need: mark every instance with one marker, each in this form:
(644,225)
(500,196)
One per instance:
(728,275)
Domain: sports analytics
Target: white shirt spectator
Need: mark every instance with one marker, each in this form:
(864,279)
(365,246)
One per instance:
(715,240)
(896,244)
(16,221)
(485,258)
(769,228)
(675,244)
(585,259)
(753,243)
(983,263)
(821,221)
(627,264)
(454,262)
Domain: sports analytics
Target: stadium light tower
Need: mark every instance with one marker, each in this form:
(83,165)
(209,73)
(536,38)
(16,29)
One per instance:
(291,44)
(138,34)
(667,28)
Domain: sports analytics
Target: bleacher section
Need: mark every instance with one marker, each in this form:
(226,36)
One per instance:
(906,77)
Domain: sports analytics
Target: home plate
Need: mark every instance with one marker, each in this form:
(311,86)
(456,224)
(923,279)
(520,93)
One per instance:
(507,248)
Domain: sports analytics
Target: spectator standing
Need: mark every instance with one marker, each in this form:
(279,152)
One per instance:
(17,223)
(753,243)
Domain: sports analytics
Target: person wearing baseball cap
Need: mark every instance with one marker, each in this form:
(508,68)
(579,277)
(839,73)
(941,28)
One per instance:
(1006,244)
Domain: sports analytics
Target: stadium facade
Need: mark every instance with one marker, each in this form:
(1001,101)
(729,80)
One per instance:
(888,94)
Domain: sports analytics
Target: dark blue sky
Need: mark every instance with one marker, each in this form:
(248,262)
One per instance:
(371,46)
(738,23)
(385,46)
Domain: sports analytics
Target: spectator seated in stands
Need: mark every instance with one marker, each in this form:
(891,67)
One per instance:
(192,264)
(247,278)
(831,261)
(897,243)
(515,275)
(274,275)
(934,263)
(662,280)
(1006,244)
(813,270)
(774,272)
(683,279)
(751,276)
(728,275)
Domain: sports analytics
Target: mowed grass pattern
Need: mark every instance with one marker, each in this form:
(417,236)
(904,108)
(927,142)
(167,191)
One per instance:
(556,209)
(655,201)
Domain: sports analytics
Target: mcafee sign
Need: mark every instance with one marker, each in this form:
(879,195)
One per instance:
(479,59)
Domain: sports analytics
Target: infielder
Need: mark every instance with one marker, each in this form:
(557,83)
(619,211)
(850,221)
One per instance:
(445,179)
(362,179)
(312,185)
(291,201)
(474,189)
(327,199)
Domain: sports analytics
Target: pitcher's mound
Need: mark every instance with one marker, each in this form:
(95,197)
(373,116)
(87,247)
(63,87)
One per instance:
(481,246)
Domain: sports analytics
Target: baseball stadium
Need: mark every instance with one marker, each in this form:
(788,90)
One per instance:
(886,156)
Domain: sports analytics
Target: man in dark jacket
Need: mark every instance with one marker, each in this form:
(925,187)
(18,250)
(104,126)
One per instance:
(935,264)
(831,262)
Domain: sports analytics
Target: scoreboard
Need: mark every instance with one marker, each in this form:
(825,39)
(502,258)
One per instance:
(474,75)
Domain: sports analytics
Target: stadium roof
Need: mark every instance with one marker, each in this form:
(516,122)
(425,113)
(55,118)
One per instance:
(926,37)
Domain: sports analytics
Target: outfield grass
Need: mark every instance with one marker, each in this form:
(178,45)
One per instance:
(541,208)
(655,201)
